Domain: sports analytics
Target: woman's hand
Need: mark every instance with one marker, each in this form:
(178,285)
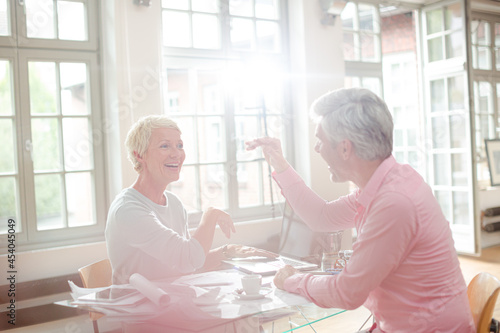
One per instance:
(271,148)
(241,251)
(222,219)
(282,274)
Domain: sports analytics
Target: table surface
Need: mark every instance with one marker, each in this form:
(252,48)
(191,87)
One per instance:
(282,312)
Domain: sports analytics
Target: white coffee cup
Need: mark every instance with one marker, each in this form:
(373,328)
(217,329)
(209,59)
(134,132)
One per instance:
(251,283)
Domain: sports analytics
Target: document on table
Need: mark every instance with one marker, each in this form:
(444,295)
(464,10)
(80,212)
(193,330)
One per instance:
(208,297)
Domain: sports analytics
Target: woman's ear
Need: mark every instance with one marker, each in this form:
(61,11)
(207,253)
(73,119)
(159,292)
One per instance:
(137,156)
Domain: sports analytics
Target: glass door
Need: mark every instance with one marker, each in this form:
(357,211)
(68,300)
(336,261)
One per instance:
(448,120)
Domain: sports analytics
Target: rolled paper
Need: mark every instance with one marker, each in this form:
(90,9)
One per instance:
(148,289)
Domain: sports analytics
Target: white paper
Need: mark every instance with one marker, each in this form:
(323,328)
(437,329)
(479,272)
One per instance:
(148,289)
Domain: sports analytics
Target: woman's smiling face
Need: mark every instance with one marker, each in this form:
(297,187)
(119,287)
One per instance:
(165,155)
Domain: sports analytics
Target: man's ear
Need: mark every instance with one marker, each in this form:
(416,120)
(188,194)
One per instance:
(347,149)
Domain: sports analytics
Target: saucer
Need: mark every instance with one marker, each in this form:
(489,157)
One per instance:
(262,293)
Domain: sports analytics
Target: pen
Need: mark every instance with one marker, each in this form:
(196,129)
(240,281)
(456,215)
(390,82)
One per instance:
(213,284)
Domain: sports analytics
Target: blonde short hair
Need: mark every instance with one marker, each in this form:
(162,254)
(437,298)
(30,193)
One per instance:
(138,136)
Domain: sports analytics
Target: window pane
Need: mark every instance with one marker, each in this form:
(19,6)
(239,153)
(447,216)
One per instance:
(268,9)
(43,91)
(242,34)
(186,189)
(211,139)
(456,93)
(241,7)
(444,200)
(438,101)
(497,59)
(188,137)
(461,208)
(40,18)
(209,93)
(349,47)
(80,199)
(78,150)
(458,133)
(480,33)
(434,21)
(176,29)
(268,36)
(7,148)
(454,44)
(46,156)
(412,136)
(373,84)
(49,202)
(74,89)
(399,138)
(497,34)
(8,204)
(435,49)
(178,94)
(368,50)
(5,88)
(71,18)
(4,18)
(439,133)
(246,128)
(459,170)
(249,186)
(206,31)
(497,45)
(270,185)
(453,16)
(175,4)
(348,15)
(367,18)
(207,6)
(442,169)
(213,182)
(483,58)
(275,126)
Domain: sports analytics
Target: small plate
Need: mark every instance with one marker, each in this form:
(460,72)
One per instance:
(262,293)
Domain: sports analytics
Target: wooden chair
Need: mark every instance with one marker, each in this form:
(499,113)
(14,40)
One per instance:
(483,292)
(96,275)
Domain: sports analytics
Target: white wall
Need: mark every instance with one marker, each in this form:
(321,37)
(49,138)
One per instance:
(132,54)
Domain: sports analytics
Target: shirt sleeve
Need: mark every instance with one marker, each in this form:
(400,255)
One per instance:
(318,214)
(142,229)
(384,241)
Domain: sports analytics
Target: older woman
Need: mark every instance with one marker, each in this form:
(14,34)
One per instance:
(147,229)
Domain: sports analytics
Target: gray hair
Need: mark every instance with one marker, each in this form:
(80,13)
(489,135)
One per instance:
(358,115)
(140,133)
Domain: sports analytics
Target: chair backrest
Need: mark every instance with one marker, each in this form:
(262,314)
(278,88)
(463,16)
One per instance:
(97,274)
(483,292)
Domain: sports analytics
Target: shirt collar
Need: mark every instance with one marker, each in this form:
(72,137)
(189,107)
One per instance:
(366,196)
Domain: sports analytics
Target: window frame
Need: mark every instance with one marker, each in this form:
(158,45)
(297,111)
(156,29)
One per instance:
(19,50)
(178,57)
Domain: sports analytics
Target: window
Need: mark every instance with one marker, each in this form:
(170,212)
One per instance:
(51,178)
(485,38)
(224,65)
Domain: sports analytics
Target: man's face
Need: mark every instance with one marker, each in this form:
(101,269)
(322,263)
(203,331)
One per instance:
(332,156)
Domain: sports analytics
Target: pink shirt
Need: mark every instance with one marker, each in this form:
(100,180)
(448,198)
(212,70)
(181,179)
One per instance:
(404,267)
